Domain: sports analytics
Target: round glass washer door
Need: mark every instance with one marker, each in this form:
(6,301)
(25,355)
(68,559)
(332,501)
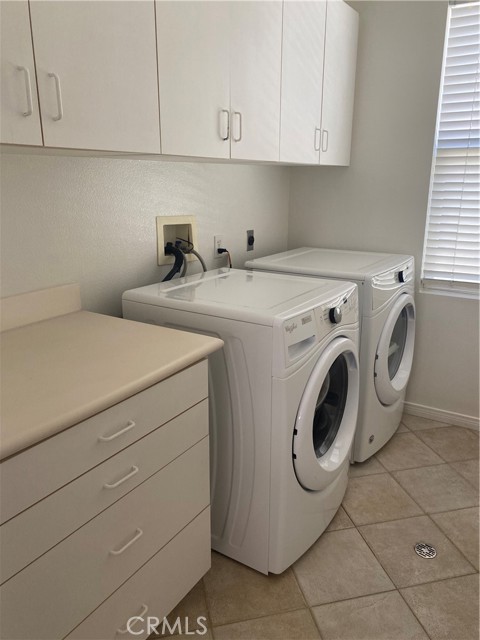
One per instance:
(393,360)
(327,416)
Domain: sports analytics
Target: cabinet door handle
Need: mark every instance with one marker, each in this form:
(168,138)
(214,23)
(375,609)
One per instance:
(224,124)
(316,142)
(28,91)
(129,426)
(239,120)
(129,475)
(127,628)
(325,140)
(137,536)
(58,91)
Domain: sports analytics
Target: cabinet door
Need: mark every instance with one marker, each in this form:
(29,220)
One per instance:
(302,80)
(97,74)
(20,120)
(194,77)
(338,83)
(256,43)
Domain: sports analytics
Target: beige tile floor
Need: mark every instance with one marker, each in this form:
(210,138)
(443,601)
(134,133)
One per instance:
(362,579)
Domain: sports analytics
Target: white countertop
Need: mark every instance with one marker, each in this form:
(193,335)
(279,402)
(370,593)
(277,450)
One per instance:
(60,371)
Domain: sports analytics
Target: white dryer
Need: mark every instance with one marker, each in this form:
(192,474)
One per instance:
(387,329)
(283,398)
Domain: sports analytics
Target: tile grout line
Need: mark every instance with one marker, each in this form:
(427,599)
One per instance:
(414,614)
(430,466)
(436,452)
(258,617)
(450,464)
(209,615)
(407,492)
(403,489)
(451,541)
(382,465)
(309,607)
(393,519)
(427,466)
(396,590)
(418,515)
(375,555)
(424,584)
(315,622)
(421,442)
(365,595)
(261,617)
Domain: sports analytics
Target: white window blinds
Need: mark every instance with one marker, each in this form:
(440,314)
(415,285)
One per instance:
(451,257)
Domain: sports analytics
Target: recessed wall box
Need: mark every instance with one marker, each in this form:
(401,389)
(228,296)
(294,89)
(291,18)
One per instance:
(169,228)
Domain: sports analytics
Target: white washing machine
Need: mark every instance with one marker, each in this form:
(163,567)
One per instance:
(387,329)
(283,399)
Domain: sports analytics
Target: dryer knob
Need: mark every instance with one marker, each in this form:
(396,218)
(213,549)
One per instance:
(401,276)
(335,315)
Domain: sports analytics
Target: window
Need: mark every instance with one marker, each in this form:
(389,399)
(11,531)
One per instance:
(451,254)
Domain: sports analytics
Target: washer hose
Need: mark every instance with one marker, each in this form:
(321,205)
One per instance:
(170,250)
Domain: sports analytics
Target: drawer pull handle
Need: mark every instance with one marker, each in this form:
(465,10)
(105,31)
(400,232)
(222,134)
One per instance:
(129,426)
(129,475)
(127,628)
(137,536)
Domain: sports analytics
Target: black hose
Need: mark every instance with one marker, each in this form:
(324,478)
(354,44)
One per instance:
(170,250)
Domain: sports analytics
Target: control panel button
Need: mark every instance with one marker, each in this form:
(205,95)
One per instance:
(335,315)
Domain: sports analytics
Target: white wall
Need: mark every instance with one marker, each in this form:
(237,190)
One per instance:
(379,203)
(92,220)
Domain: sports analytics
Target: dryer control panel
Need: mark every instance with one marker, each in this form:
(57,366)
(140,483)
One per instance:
(303,332)
(388,284)
(338,312)
(300,334)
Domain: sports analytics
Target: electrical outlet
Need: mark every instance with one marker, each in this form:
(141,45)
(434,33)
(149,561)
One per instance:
(250,239)
(217,244)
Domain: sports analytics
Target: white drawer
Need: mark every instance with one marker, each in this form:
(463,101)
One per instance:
(45,524)
(60,589)
(158,586)
(31,475)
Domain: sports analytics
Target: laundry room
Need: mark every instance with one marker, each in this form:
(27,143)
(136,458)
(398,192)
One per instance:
(390,484)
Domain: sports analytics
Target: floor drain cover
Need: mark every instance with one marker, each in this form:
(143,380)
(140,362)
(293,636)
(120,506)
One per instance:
(425,550)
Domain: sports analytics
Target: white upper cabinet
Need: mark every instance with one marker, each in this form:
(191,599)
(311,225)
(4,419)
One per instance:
(97,74)
(256,54)
(302,79)
(219,69)
(194,69)
(319,52)
(262,80)
(20,118)
(338,83)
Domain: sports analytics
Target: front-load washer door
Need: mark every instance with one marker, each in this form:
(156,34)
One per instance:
(327,416)
(393,359)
